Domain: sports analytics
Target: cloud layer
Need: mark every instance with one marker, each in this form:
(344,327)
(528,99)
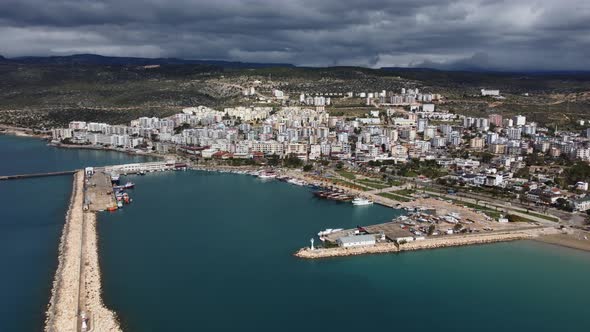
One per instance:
(490,34)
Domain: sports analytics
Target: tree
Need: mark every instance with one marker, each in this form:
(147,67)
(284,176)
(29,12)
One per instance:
(339,165)
(431,229)
(307,168)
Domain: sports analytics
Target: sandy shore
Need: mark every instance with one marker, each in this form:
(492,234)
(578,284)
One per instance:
(77,280)
(576,240)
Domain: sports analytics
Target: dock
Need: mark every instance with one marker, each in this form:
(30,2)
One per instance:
(35,175)
(99,192)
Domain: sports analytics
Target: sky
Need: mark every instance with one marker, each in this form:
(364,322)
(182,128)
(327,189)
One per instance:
(444,34)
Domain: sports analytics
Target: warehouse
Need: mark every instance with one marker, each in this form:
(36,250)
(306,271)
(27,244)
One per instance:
(356,241)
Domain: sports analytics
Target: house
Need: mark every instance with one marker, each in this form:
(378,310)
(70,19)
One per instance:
(582,186)
(356,241)
(582,204)
(494,180)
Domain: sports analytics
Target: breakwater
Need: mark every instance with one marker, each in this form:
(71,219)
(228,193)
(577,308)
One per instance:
(35,175)
(75,295)
(430,243)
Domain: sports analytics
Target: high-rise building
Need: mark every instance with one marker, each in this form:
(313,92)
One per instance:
(519,120)
(495,119)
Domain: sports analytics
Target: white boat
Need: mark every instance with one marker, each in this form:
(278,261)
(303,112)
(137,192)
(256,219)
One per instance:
(327,231)
(267,175)
(296,182)
(361,201)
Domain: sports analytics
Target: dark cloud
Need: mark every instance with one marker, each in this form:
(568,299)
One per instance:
(486,34)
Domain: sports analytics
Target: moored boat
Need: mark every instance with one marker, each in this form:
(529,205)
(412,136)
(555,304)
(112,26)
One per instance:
(358,201)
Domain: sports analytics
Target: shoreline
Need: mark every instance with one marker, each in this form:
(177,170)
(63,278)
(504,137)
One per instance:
(23,132)
(76,285)
(567,241)
(101,148)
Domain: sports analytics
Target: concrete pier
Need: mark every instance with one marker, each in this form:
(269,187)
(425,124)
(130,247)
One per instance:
(35,175)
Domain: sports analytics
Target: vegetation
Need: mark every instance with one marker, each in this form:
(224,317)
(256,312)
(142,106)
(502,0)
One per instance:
(395,197)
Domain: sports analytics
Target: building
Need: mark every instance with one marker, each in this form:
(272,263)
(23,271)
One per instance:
(519,120)
(356,241)
(486,92)
(477,143)
(582,204)
(495,119)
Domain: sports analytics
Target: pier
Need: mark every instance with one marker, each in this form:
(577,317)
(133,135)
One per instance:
(428,243)
(76,303)
(35,175)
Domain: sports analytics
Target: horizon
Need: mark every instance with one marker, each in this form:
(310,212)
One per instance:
(290,65)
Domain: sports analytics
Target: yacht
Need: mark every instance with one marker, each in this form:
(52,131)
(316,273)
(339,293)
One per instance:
(361,201)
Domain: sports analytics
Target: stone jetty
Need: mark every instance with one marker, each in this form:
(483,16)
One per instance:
(76,287)
(429,243)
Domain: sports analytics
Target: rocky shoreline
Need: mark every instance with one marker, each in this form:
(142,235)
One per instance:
(432,243)
(76,286)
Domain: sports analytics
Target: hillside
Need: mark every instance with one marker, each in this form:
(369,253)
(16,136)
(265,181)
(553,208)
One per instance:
(47,92)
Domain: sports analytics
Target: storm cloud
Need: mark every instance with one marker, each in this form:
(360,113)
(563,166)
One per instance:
(483,34)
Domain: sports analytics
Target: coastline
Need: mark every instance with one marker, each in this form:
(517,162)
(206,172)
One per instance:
(23,132)
(76,286)
(567,240)
(102,148)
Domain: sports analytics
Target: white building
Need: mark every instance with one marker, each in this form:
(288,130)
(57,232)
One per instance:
(486,92)
(519,120)
(356,241)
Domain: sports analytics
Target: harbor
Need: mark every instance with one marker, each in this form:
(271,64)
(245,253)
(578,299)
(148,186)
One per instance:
(119,239)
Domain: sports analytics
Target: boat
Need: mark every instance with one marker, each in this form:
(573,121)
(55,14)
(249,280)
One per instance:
(112,208)
(361,201)
(141,172)
(119,204)
(267,175)
(296,182)
(329,231)
(115,178)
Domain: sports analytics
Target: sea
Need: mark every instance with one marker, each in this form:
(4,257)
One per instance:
(214,252)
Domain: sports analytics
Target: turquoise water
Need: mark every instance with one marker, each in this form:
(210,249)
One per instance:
(31,220)
(213,252)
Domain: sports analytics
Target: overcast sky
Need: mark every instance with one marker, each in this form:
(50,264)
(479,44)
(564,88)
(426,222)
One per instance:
(493,34)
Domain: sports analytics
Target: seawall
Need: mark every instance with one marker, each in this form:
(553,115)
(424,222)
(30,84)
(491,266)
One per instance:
(431,243)
(76,285)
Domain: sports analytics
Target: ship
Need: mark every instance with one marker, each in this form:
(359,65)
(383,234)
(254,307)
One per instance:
(361,201)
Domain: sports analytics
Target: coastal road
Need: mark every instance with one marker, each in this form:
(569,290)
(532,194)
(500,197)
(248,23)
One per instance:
(491,205)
